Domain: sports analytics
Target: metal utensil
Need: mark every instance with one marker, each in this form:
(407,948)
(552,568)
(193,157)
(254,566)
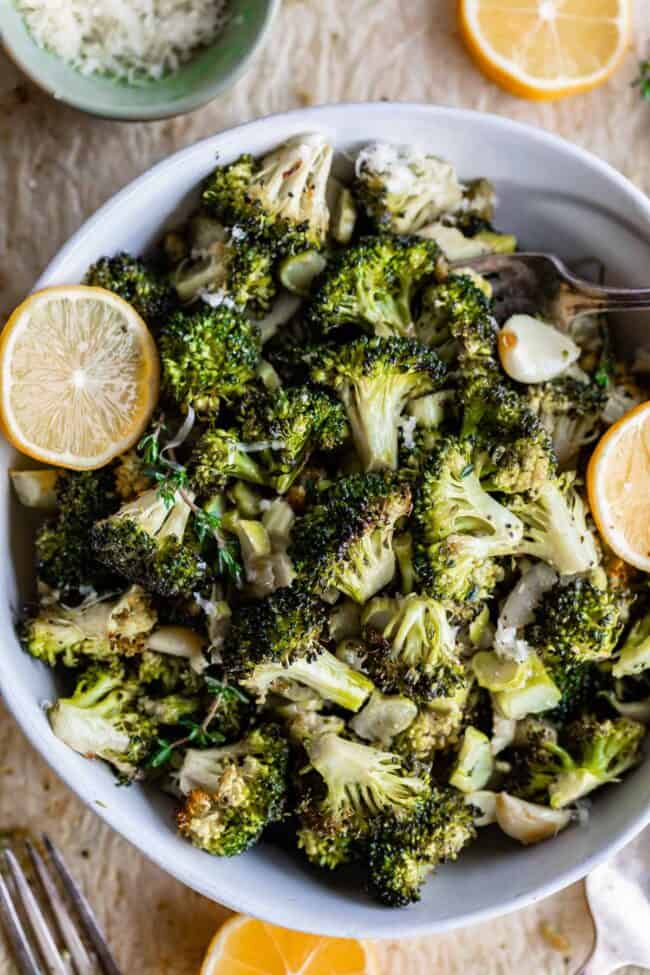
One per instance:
(523,282)
(48,921)
(618,895)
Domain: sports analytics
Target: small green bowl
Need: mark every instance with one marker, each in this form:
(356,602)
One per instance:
(210,72)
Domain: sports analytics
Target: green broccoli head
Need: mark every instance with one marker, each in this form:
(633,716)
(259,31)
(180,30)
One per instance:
(437,726)
(148,291)
(535,761)
(374,284)
(159,674)
(634,654)
(456,319)
(280,198)
(96,629)
(459,529)
(375,378)
(291,423)
(404,850)
(148,542)
(415,653)
(555,526)
(64,560)
(283,638)
(402,188)
(570,411)
(103,719)
(345,544)
(234,792)
(220,456)
(208,355)
(578,621)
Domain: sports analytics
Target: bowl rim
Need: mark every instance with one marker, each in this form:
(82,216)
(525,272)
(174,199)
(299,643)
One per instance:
(265,906)
(123,113)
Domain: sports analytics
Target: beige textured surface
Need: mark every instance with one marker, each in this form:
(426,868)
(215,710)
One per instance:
(56,168)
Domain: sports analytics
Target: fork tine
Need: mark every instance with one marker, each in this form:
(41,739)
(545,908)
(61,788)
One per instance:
(83,963)
(88,920)
(39,925)
(23,954)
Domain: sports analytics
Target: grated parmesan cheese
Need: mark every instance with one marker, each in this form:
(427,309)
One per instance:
(135,40)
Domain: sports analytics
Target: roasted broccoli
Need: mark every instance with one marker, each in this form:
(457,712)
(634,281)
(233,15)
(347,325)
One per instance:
(234,792)
(376,378)
(456,319)
(149,291)
(345,544)
(404,850)
(220,456)
(102,719)
(148,541)
(634,654)
(403,188)
(570,410)
(283,638)
(373,285)
(208,355)
(280,198)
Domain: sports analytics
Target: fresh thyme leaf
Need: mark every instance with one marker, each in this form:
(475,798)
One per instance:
(162,755)
(228,564)
(225,691)
(643,81)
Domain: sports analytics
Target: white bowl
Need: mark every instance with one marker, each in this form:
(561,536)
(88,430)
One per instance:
(555,197)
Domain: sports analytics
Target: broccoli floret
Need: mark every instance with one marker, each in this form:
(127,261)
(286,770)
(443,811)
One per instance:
(555,526)
(282,638)
(208,355)
(415,652)
(293,422)
(438,726)
(96,629)
(148,291)
(345,544)
(161,673)
(220,456)
(280,198)
(234,792)
(147,542)
(570,411)
(102,719)
(64,560)
(373,285)
(634,655)
(228,265)
(354,784)
(596,752)
(456,319)
(403,188)
(404,850)
(535,761)
(459,529)
(375,379)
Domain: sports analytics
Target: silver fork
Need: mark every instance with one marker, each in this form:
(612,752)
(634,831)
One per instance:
(526,283)
(48,921)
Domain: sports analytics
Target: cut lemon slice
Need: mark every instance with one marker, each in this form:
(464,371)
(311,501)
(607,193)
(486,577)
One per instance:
(618,485)
(80,376)
(545,49)
(245,946)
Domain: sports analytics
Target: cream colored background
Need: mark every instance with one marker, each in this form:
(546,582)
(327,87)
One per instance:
(56,168)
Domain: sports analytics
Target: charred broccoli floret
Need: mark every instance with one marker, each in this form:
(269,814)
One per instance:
(96,629)
(456,319)
(459,529)
(354,783)
(147,541)
(293,423)
(345,543)
(570,411)
(220,456)
(555,526)
(280,198)
(438,726)
(207,356)
(234,792)
(102,719)
(414,653)
(137,282)
(64,560)
(282,638)
(373,285)
(404,850)
(634,654)
(403,188)
(375,379)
